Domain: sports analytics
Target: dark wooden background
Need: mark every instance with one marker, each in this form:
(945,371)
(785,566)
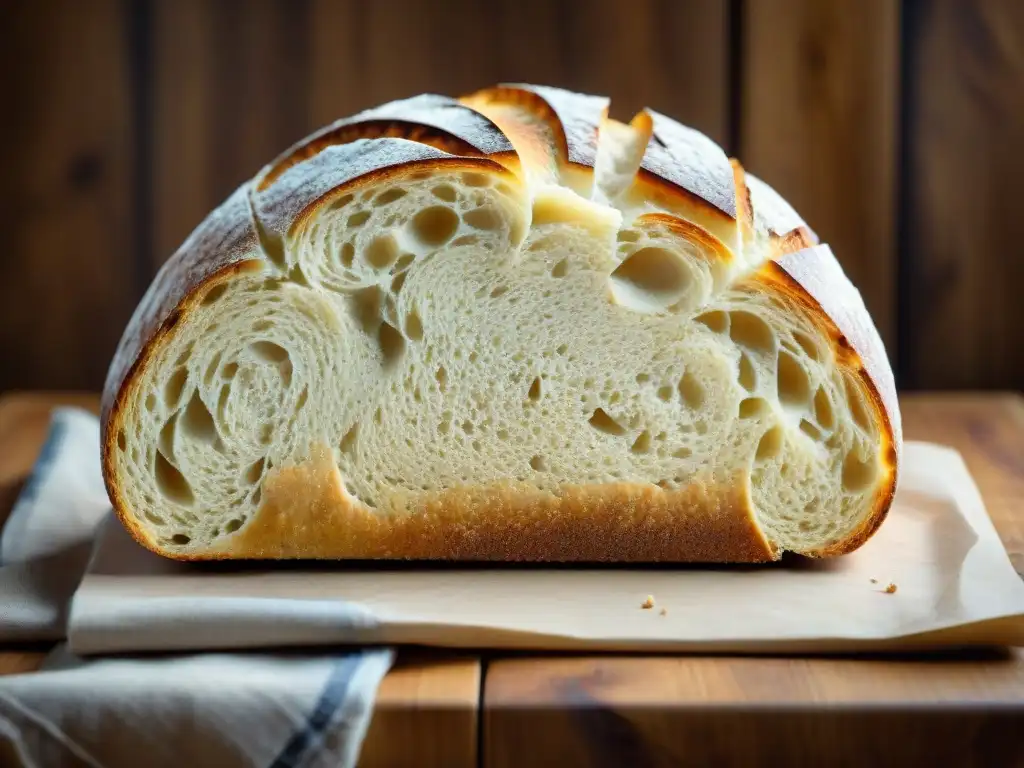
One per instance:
(895,128)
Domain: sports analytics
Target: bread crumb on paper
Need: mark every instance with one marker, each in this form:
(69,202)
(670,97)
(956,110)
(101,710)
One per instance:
(648,603)
(891,589)
(874,581)
(664,611)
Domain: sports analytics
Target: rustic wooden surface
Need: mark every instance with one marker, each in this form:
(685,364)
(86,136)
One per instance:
(933,710)
(964,123)
(819,122)
(427,707)
(67,209)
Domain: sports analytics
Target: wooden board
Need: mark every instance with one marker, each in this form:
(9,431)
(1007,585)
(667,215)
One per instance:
(930,710)
(427,707)
(819,122)
(68,269)
(963,318)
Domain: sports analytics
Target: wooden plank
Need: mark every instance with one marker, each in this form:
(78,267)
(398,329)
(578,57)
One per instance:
(660,53)
(964,322)
(819,122)
(66,200)
(229,93)
(426,714)
(929,709)
(426,711)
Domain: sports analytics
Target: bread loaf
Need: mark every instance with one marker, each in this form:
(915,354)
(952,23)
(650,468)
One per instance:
(502,327)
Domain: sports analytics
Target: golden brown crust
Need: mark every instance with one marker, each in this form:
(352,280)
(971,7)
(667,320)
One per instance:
(435,121)
(306,513)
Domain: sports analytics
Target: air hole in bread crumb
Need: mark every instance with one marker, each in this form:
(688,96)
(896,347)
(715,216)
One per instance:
(170,482)
(682,453)
(602,422)
(539,464)
(483,218)
(301,400)
(856,402)
(342,201)
(823,412)
(122,441)
(535,390)
(392,344)
(435,225)
(560,269)
(398,282)
(150,402)
(214,294)
(166,439)
(750,331)
(810,430)
(716,320)
(180,539)
(442,378)
(229,371)
(691,390)
(366,306)
(444,192)
(414,326)
(642,444)
(770,445)
(269,351)
(649,280)
(753,407)
(153,517)
(476,180)
(665,393)
(748,376)
(233,525)
(628,236)
(382,251)
(347,254)
(175,387)
(794,386)
(643,378)
(498,290)
(358,219)
(255,471)
(858,474)
(197,421)
(808,345)
(389,196)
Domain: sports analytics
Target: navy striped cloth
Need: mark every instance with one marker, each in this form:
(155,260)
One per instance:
(200,709)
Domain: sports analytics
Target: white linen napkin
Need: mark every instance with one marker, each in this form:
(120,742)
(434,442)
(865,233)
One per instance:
(207,709)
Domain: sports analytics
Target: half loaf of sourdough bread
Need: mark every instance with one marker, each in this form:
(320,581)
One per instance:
(502,327)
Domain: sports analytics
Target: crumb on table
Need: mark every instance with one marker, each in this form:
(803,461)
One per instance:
(890,589)
(874,581)
(648,603)
(664,611)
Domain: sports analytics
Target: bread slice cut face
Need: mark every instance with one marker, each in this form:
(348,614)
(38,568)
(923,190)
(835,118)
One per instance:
(503,327)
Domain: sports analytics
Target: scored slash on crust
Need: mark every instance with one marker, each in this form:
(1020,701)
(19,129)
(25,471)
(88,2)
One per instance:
(335,244)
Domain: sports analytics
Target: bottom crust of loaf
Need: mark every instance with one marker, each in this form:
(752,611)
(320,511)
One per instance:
(306,514)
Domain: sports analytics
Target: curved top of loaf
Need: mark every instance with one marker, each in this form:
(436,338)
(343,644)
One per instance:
(540,136)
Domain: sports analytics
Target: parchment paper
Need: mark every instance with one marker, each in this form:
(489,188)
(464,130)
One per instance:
(954,586)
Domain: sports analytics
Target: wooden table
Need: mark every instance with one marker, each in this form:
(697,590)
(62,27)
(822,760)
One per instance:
(942,709)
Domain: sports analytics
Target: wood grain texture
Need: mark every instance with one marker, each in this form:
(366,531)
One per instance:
(964,320)
(427,708)
(67,272)
(229,93)
(664,54)
(819,122)
(928,710)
